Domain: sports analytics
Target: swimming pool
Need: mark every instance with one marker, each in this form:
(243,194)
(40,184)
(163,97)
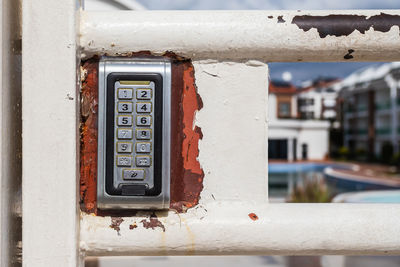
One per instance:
(387,196)
(284,177)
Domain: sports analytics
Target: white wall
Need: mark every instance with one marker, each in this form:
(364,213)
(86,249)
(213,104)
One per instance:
(317,139)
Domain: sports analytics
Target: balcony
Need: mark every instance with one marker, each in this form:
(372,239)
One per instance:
(383,105)
(383,131)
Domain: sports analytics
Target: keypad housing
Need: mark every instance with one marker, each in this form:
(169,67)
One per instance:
(134,134)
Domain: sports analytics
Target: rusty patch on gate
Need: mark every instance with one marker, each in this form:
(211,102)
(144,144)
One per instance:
(88,135)
(344,25)
(186,173)
(253,216)
(152,223)
(115,223)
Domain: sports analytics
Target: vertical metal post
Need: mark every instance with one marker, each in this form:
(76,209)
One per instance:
(49,115)
(10,141)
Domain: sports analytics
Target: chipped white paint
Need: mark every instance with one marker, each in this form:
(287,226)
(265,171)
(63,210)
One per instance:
(233,151)
(216,228)
(238,35)
(233,157)
(50,134)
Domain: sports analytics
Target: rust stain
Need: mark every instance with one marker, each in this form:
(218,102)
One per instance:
(253,216)
(152,223)
(115,223)
(270,17)
(133,226)
(88,132)
(281,20)
(349,54)
(344,25)
(186,173)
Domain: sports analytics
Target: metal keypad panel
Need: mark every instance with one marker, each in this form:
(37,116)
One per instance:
(128,94)
(134,133)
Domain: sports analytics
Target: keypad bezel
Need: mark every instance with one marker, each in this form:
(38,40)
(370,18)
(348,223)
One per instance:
(112,187)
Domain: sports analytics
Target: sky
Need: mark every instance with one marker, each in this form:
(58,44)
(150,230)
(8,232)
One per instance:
(300,72)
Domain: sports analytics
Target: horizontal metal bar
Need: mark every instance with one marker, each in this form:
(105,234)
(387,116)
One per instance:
(240,35)
(249,228)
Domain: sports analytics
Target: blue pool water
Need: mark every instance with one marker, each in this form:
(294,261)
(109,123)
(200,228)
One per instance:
(284,177)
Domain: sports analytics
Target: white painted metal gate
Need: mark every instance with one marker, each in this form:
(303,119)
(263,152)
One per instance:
(228,50)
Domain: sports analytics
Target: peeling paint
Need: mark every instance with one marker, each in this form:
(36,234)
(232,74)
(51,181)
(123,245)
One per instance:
(281,20)
(152,223)
(344,25)
(253,216)
(88,132)
(115,223)
(349,54)
(186,173)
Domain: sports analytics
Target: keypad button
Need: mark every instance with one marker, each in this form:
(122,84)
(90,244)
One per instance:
(143,120)
(133,174)
(125,107)
(124,134)
(124,147)
(143,93)
(143,107)
(124,161)
(143,147)
(143,161)
(143,134)
(125,120)
(125,93)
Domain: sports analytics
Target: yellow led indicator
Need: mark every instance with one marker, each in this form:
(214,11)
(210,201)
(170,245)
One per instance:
(135,82)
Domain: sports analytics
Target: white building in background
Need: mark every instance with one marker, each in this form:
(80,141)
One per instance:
(371,109)
(290,138)
(318,100)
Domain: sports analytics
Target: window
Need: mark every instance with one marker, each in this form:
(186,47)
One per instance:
(284,110)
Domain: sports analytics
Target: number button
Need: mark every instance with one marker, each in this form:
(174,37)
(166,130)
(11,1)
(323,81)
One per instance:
(143,134)
(143,120)
(125,120)
(143,94)
(125,93)
(143,107)
(133,174)
(124,134)
(124,161)
(143,161)
(124,147)
(143,147)
(125,107)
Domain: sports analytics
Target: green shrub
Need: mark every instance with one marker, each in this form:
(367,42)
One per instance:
(343,153)
(312,191)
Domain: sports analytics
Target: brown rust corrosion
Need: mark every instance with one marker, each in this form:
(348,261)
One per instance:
(186,173)
(115,223)
(344,25)
(152,223)
(88,131)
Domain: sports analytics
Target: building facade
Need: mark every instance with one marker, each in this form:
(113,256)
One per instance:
(371,108)
(290,138)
